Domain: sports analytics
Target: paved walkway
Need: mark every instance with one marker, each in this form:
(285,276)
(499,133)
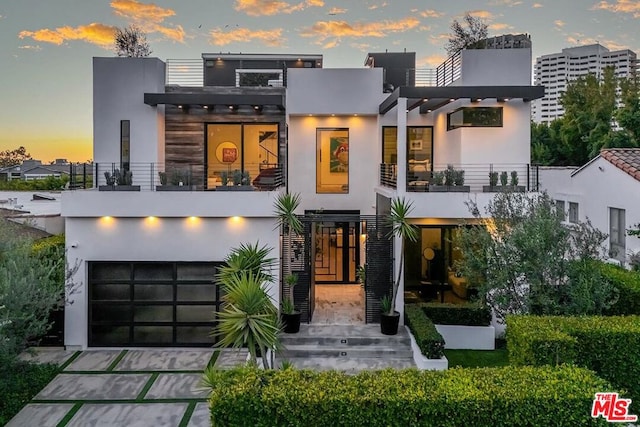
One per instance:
(139,388)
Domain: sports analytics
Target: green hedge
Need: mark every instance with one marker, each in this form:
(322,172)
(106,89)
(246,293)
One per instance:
(610,346)
(628,285)
(427,337)
(19,382)
(508,396)
(469,314)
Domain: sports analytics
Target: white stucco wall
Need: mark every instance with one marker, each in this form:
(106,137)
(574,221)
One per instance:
(596,188)
(153,239)
(119,85)
(499,67)
(365,152)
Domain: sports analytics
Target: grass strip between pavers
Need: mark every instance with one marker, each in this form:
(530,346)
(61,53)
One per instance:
(116,361)
(187,414)
(214,358)
(147,386)
(64,421)
(70,360)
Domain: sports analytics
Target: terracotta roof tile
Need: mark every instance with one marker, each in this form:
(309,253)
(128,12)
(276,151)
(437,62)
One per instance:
(626,159)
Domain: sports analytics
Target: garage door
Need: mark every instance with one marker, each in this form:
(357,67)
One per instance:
(152,303)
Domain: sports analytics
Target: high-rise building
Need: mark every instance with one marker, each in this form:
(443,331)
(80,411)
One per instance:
(554,71)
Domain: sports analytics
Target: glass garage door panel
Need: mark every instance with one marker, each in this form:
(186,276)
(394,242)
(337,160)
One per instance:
(152,304)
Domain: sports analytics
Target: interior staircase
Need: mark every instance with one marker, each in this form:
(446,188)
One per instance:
(349,348)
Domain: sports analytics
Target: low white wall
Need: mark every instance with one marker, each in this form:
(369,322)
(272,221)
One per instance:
(422,362)
(457,337)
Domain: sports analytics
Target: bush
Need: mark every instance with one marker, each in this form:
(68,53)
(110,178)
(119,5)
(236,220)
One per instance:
(470,314)
(504,396)
(19,382)
(427,337)
(610,346)
(628,285)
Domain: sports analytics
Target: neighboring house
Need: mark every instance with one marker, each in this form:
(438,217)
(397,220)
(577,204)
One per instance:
(37,211)
(31,170)
(606,191)
(148,257)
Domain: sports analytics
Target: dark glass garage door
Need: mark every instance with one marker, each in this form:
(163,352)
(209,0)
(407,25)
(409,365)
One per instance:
(152,303)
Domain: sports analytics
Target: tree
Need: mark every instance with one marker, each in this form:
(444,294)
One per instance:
(525,260)
(628,113)
(13,157)
(462,37)
(131,42)
(402,229)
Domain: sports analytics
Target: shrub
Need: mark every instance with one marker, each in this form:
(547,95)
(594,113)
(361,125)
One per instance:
(19,382)
(507,396)
(427,337)
(628,285)
(470,314)
(610,346)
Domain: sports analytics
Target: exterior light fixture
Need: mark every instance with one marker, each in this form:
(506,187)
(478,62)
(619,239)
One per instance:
(233,107)
(257,108)
(180,107)
(206,107)
(428,111)
(452,99)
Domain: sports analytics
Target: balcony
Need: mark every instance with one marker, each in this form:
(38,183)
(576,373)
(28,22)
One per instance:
(177,177)
(474,178)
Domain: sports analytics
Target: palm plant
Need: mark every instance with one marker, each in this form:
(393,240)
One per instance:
(251,258)
(249,318)
(285,207)
(400,227)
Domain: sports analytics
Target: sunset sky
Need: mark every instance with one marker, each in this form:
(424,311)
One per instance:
(46,46)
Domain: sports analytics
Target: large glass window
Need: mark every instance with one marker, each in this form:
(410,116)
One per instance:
(617,238)
(419,156)
(475,117)
(125,142)
(332,161)
(390,145)
(249,148)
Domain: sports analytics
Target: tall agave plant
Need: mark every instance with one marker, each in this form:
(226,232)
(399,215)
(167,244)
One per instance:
(285,207)
(401,228)
(249,258)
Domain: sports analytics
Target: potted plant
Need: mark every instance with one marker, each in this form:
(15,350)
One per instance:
(290,316)
(401,228)
(285,207)
(504,178)
(177,180)
(438,182)
(119,181)
(361,274)
(493,183)
(514,182)
(240,181)
(458,181)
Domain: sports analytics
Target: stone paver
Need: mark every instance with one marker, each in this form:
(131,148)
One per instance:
(177,386)
(41,415)
(165,360)
(93,360)
(231,358)
(94,387)
(201,416)
(53,355)
(129,414)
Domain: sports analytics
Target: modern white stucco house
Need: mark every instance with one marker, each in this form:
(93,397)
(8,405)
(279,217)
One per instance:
(347,140)
(606,191)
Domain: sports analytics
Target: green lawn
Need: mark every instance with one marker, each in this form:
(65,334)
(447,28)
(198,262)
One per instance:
(477,358)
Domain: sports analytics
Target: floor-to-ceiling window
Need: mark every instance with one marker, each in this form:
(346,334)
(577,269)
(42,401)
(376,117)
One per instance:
(332,161)
(234,148)
(419,152)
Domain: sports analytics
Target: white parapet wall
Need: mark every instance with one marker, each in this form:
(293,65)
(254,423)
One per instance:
(422,362)
(457,337)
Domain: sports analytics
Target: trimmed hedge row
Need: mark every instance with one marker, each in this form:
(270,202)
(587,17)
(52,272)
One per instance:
(628,285)
(469,314)
(427,336)
(508,396)
(610,346)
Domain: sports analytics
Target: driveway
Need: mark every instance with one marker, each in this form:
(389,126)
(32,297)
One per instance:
(137,388)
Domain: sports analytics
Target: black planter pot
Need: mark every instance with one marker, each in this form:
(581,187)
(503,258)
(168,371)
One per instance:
(389,324)
(291,322)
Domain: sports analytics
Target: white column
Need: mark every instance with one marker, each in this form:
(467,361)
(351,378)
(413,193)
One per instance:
(401,180)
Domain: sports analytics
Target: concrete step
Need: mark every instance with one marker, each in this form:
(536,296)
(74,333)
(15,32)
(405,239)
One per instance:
(334,335)
(347,350)
(350,365)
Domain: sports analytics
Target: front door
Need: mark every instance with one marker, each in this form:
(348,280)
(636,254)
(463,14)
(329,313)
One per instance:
(336,252)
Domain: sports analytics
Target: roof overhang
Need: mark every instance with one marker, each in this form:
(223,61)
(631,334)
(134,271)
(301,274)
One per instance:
(431,98)
(187,99)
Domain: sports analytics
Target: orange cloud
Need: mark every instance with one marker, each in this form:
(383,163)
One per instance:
(98,34)
(537,5)
(500,27)
(337,11)
(559,23)
(378,6)
(482,14)
(273,7)
(430,13)
(271,38)
(325,30)
(149,17)
(620,6)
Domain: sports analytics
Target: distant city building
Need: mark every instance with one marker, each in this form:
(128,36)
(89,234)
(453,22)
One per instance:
(555,70)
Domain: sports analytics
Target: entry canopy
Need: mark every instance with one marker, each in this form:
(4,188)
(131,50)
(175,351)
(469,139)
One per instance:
(203,98)
(431,98)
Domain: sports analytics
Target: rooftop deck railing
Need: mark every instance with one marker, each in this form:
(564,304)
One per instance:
(476,178)
(179,177)
(184,72)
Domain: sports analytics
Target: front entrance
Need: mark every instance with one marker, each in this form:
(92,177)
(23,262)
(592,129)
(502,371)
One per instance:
(326,259)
